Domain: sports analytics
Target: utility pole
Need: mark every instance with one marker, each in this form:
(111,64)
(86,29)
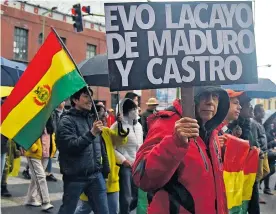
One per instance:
(44,21)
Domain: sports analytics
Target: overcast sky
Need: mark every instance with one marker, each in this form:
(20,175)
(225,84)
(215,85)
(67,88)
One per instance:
(265,31)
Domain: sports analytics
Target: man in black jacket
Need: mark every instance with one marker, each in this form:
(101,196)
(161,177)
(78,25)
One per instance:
(4,148)
(81,155)
(271,144)
(152,104)
(248,134)
(55,118)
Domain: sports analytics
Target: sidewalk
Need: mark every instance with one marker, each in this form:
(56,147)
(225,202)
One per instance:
(18,187)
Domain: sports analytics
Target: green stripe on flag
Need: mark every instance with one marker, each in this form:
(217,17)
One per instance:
(236,210)
(62,89)
(240,209)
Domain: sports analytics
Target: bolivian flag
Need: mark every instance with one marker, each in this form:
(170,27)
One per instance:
(50,78)
(233,172)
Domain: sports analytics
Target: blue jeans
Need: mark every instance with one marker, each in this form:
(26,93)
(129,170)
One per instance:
(49,166)
(113,205)
(3,161)
(128,191)
(95,189)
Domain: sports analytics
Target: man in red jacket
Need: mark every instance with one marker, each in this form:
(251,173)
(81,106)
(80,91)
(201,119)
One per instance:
(181,161)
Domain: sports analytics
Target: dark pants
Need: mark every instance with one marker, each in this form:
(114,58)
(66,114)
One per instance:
(49,166)
(128,191)
(95,189)
(253,206)
(272,171)
(5,174)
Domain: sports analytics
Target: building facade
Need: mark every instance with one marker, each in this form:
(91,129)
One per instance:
(269,104)
(22,27)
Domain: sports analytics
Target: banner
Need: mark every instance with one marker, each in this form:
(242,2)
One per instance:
(173,44)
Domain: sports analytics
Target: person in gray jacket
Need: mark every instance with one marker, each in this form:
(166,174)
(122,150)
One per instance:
(257,124)
(55,118)
(56,115)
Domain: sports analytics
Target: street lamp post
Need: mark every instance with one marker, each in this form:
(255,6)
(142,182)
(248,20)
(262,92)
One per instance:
(44,20)
(268,66)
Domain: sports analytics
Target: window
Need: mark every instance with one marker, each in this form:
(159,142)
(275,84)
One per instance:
(269,104)
(40,38)
(114,101)
(90,51)
(63,39)
(20,44)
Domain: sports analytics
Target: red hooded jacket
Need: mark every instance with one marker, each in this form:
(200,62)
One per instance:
(199,185)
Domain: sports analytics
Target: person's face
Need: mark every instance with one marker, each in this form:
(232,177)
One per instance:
(133,114)
(61,106)
(102,114)
(208,104)
(84,102)
(247,110)
(261,113)
(152,107)
(274,123)
(139,111)
(234,110)
(136,101)
(100,104)
(111,113)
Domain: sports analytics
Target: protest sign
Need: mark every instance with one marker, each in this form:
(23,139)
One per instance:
(173,44)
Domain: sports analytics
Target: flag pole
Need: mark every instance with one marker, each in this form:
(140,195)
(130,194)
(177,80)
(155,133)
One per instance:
(70,56)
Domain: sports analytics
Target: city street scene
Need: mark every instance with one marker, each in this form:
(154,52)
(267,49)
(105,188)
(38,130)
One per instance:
(138,107)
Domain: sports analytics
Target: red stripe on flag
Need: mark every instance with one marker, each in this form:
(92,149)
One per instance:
(235,154)
(34,72)
(252,161)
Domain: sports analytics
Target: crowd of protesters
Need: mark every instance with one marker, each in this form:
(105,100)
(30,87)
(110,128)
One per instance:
(110,159)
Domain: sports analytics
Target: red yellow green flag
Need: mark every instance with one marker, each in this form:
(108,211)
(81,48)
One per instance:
(50,78)
(234,160)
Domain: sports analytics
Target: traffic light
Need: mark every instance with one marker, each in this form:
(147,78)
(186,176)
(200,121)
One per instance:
(77,17)
(86,9)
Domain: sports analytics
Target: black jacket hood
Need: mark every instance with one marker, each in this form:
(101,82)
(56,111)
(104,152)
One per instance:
(223,105)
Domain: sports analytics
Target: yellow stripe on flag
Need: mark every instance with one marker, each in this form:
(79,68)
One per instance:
(249,181)
(32,104)
(234,188)
(5,91)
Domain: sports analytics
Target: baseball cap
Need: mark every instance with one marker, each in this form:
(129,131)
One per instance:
(231,93)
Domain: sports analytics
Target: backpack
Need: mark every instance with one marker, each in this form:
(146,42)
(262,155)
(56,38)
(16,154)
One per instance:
(178,194)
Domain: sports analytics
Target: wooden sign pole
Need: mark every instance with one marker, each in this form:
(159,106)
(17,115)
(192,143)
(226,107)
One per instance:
(187,102)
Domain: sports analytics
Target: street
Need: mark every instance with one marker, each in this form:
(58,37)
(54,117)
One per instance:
(18,187)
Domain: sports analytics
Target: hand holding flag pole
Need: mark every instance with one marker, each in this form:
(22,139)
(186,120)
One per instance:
(70,56)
